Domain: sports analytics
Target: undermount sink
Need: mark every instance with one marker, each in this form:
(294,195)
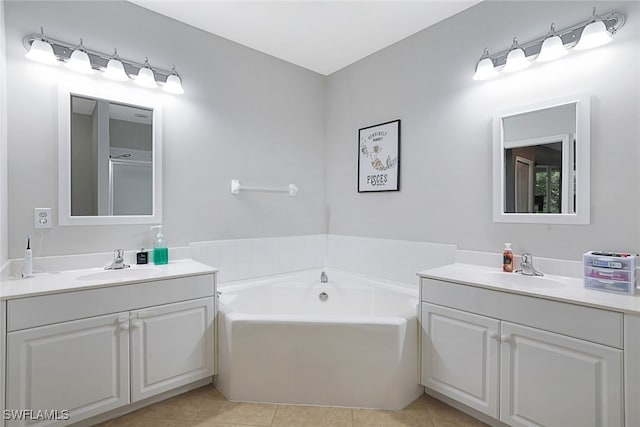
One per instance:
(124,274)
(517,279)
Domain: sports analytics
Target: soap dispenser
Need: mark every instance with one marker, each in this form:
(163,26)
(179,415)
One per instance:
(507,258)
(160,251)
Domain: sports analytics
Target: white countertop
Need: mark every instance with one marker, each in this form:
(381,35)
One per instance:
(566,289)
(91,278)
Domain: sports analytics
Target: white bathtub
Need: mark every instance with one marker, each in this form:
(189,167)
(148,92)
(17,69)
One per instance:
(279,343)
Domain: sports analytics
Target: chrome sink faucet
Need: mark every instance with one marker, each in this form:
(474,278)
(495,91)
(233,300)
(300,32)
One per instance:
(526,266)
(324,278)
(118,261)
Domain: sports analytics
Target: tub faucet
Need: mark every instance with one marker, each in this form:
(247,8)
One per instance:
(526,266)
(324,278)
(118,261)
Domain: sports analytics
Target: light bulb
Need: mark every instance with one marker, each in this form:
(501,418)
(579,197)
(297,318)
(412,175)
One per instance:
(145,77)
(173,83)
(594,35)
(115,69)
(516,58)
(79,60)
(41,51)
(552,47)
(485,69)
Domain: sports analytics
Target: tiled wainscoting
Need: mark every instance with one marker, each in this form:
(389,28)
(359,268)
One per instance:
(396,260)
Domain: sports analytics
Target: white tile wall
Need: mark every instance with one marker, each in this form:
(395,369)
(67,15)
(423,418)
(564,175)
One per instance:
(397,260)
(246,258)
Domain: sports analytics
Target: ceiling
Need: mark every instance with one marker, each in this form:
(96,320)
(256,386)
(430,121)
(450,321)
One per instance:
(322,36)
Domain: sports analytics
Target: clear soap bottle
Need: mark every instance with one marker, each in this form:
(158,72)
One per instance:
(160,250)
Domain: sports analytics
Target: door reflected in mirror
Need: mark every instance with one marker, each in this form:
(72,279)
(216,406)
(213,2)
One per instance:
(111,158)
(541,163)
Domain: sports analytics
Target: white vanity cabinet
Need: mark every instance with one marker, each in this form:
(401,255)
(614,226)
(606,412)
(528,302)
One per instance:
(81,365)
(171,345)
(523,360)
(460,356)
(95,350)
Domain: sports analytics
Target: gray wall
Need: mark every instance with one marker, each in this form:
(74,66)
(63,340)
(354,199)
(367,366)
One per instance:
(560,120)
(244,115)
(446,147)
(4,229)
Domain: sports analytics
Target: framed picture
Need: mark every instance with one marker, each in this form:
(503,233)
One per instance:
(379,157)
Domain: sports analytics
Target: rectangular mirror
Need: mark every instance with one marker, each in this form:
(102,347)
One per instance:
(541,162)
(110,155)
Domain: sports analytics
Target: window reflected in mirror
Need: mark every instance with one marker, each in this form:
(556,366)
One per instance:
(111,158)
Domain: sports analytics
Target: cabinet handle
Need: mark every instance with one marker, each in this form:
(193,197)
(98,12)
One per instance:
(135,324)
(504,338)
(493,335)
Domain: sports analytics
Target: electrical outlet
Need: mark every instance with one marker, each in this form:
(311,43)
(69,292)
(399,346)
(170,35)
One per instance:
(42,218)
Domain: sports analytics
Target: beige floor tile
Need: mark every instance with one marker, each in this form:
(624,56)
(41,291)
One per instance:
(206,394)
(142,421)
(420,404)
(257,414)
(184,407)
(444,415)
(215,424)
(312,416)
(378,418)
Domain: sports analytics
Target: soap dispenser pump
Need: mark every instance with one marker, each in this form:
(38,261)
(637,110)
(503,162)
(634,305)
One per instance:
(160,250)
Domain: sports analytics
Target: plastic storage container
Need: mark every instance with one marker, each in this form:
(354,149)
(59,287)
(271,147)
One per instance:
(610,272)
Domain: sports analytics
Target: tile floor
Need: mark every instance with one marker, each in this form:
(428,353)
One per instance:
(207,407)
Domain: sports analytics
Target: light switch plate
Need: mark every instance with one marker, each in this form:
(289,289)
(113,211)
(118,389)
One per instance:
(42,218)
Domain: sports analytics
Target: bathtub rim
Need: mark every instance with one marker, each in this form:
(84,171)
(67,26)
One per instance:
(237,285)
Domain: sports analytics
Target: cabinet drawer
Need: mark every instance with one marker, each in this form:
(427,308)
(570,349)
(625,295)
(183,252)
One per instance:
(592,324)
(48,309)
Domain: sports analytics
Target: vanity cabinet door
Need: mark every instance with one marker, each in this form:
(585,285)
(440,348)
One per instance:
(81,366)
(460,356)
(553,380)
(171,345)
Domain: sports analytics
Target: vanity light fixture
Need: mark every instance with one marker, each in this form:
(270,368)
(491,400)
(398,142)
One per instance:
(145,77)
(516,59)
(596,31)
(595,34)
(78,58)
(552,47)
(41,50)
(173,83)
(115,69)
(485,69)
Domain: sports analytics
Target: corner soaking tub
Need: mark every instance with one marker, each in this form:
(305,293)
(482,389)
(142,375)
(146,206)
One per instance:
(280,343)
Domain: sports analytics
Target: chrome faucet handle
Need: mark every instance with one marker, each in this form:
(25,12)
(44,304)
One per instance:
(526,266)
(118,261)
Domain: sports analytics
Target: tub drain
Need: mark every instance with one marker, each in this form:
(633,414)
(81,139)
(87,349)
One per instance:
(323,296)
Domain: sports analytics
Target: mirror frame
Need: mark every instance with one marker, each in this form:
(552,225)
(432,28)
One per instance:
(64,155)
(583,162)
